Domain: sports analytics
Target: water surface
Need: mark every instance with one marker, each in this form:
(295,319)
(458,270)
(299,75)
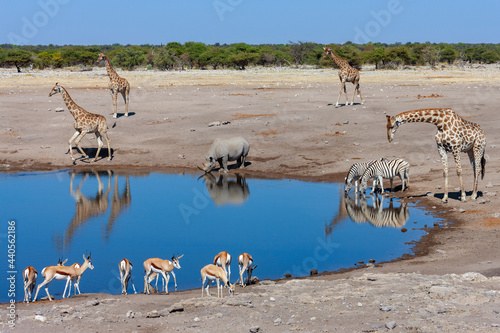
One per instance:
(288,226)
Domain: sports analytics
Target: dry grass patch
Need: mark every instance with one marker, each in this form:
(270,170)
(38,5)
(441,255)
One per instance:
(268,133)
(335,134)
(491,222)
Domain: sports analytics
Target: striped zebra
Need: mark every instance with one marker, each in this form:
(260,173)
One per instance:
(388,170)
(355,172)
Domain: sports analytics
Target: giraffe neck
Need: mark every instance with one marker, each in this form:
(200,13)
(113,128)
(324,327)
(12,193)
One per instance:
(432,116)
(113,76)
(341,63)
(73,108)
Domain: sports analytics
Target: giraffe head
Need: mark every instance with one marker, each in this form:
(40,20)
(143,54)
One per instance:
(57,89)
(392,127)
(327,50)
(101,58)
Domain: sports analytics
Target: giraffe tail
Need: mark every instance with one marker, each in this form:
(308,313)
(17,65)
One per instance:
(483,164)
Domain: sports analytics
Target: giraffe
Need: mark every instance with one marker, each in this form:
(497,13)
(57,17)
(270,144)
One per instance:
(346,74)
(454,135)
(116,85)
(85,122)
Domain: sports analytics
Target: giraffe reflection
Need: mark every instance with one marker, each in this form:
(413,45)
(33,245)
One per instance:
(88,207)
(119,202)
(224,191)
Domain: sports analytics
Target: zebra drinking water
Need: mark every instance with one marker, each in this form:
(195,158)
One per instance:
(386,169)
(355,172)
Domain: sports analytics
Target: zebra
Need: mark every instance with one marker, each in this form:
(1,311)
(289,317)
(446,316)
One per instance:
(386,169)
(355,172)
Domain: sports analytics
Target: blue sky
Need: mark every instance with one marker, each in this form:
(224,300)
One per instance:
(92,22)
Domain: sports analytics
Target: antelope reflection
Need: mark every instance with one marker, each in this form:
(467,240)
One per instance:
(88,207)
(224,191)
(359,211)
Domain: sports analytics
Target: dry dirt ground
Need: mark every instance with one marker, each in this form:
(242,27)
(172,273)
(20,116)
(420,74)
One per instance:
(295,131)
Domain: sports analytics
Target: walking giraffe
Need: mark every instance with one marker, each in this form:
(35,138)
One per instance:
(85,122)
(116,85)
(346,74)
(454,135)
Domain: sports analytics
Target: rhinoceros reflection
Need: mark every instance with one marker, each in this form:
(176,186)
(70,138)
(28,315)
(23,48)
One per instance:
(359,211)
(226,191)
(88,207)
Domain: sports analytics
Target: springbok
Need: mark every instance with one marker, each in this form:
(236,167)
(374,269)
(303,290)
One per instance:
(125,267)
(63,273)
(209,273)
(223,259)
(29,276)
(160,266)
(245,262)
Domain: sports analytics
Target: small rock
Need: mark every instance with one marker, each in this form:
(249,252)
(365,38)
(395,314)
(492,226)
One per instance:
(288,275)
(196,319)
(153,314)
(130,314)
(192,130)
(346,122)
(177,307)
(360,304)
(496,215)
(43,319)
(272,299)
(313,272)
(59,109)
(214,123)
(491,194)
(387,308)
(254,329)
(181,156)
(226,122)
(390,325)
(93,303)
(313,318)
(277,321)
(489,185)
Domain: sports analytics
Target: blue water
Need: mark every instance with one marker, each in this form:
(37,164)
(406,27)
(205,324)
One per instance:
(288,226)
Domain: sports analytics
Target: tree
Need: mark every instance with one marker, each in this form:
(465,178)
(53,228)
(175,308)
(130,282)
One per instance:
(129,58)
(165,59)
(299,51)
(18,58)
(448,54)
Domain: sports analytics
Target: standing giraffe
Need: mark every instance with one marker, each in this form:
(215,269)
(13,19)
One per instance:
(454,135)
(85,122)
(346,74)
(116,85)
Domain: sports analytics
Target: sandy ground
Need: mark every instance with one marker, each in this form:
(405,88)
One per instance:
(294,130)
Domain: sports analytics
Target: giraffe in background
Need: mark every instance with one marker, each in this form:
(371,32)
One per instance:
(116,85)
(454,135)
(346,74)
(85,122)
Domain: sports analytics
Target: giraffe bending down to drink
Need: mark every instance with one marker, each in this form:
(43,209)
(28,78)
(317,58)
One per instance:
(454,135)
(116,85)
(85,122)
(346,74)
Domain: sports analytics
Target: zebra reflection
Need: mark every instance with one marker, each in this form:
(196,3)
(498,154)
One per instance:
(359,211)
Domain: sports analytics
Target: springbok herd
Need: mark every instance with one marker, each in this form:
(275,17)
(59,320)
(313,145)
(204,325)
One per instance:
(455,135)
(219,271)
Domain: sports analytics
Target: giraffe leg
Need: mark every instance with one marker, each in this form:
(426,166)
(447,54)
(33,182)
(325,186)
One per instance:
(342,85)
(70,150)
(475,156)
(77,144)
(359,93)
(109,148)
(444,159)
(456,156)
(114,95)
(345,92)
(126,97)
(99,145)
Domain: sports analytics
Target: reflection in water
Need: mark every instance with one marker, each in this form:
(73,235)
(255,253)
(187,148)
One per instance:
(224,191)
(88,207)
(119,203)
(359,211)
